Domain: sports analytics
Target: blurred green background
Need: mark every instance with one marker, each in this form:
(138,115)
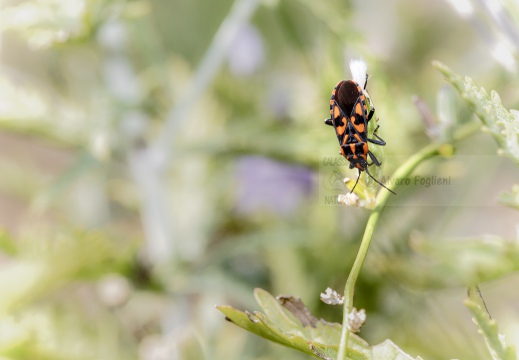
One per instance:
(160,157)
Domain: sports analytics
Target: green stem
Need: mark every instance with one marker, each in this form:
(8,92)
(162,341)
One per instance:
(240,13)
(383,196)
(487,326)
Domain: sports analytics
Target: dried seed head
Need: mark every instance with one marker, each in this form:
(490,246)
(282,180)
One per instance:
(331,297)
(359,69)
(349,199)
(356,319)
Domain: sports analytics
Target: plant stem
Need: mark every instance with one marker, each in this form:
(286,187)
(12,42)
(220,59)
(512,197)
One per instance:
(383,196)
(239,15)
(487,326)
(148,164)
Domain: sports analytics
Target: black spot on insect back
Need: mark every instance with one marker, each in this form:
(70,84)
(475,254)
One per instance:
(347,96)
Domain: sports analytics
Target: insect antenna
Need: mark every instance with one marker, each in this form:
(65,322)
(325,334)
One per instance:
(356,182)
(378,182)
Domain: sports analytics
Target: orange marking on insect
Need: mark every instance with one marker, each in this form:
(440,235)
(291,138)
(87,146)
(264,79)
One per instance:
(345,140)
(336,112)
(341,128)
(352,148)
(358,109)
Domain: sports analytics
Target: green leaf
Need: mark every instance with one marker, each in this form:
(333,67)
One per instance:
(488,327)
(389,351)
(453,262)
(45,266)
(279,325)
(501,123)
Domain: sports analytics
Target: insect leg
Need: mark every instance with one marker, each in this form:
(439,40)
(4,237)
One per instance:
(380,141)
(375,160)
(371,106)
(371,112)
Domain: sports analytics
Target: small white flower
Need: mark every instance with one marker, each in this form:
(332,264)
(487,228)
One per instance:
(331,297)
(349,199)
(359,69)
(356,319)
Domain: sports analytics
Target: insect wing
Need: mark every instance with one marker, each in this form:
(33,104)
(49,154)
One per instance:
(359,120)
(356,125)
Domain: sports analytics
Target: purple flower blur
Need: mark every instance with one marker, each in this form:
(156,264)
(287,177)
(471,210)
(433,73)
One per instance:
(247,51)
(268,185)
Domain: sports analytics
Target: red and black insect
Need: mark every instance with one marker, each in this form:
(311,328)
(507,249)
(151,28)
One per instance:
(349,117)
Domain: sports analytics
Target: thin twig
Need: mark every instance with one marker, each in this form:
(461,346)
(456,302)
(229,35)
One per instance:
(383,196)
(147,164)
(238,16)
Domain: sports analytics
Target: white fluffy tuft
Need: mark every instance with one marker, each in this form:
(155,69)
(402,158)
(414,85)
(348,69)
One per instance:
(359,68)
